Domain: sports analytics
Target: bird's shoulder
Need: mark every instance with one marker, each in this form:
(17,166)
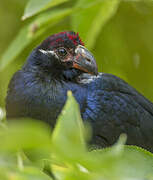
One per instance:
(105,82)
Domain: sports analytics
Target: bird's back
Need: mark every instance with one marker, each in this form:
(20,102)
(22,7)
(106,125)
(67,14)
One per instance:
(114,107)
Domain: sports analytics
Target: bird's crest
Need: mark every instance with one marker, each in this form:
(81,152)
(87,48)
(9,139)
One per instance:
(60,38)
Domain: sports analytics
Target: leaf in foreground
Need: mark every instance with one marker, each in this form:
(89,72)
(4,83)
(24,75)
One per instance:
(36,6)
(68,135)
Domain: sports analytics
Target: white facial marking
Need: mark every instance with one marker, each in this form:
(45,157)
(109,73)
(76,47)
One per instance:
(48,53)
(43,51)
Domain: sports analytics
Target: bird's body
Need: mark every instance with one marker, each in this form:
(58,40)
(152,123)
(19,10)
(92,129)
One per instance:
(108,103)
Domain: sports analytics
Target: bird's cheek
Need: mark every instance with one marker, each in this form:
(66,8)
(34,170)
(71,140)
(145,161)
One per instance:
(68,61)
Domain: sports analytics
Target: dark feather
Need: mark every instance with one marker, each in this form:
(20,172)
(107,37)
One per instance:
(110,105)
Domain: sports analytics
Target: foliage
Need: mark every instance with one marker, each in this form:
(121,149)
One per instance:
(119,33)
(27,149)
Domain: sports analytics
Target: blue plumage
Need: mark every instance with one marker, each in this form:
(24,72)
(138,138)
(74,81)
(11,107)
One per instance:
(110,105)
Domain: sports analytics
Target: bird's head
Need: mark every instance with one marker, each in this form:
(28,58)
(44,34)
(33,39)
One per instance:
(65,52)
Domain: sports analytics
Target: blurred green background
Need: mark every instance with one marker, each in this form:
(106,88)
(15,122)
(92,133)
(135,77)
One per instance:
(118,33)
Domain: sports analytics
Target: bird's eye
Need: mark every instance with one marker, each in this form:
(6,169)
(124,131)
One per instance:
(62,52)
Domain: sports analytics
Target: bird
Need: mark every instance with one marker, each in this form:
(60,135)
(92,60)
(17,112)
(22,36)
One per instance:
(62,63)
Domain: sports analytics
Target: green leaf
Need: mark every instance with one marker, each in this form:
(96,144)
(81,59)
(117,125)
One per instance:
(32,137)
(129,162)
(31,33)
(124,162)
(28,173)
(90,21)
(35,6)
(68,135)
(25,134)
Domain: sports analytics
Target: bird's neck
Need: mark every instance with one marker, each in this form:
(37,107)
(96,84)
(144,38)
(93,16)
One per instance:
(51,92)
